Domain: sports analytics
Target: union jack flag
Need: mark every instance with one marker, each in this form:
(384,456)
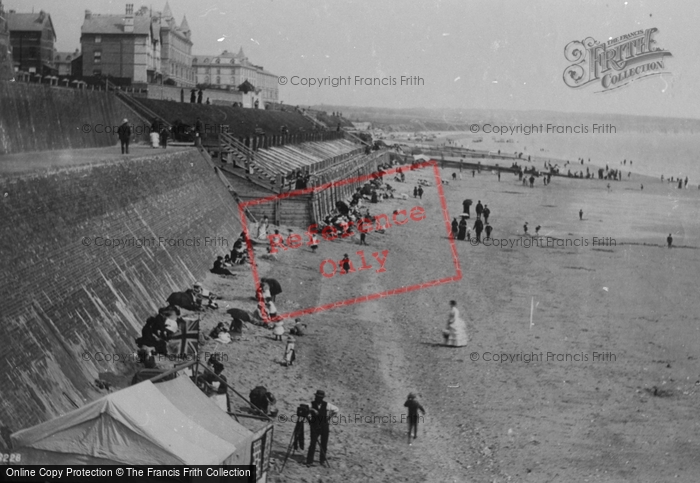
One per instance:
(185,342)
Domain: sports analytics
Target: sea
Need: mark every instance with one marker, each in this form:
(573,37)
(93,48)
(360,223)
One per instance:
(652,154)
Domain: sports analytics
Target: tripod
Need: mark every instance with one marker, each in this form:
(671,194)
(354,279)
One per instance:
(290,449)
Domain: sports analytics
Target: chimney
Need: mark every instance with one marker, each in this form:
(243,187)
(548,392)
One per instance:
(129,18)
(88,14)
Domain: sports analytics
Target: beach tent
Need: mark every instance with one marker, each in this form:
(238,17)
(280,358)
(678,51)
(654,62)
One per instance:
(195,405)
(138,425)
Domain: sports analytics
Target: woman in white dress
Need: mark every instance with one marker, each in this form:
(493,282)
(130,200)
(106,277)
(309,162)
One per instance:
(262,229)
(456,332)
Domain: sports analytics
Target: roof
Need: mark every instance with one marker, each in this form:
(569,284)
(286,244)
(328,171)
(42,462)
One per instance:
(184,26)
(114,24)
(137,425)
(35,22)
(58,56)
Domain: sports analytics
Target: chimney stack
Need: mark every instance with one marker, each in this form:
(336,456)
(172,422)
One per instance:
(88,14)
(129,18)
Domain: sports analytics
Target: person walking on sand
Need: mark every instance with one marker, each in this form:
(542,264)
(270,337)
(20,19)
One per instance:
(314,243)
(580,214)
(488,228)
(415,191)
(455,227)
(525,227)
(669,240)
(420,192)
(455,334)
(413,407)
(479,209)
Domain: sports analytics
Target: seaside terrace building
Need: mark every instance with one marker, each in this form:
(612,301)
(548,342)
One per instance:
(126,47)
(228,71)
(32,38)
(176,50)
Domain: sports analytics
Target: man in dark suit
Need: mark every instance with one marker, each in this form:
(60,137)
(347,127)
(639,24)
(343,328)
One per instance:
(124,133)
(478,228)
(319,420)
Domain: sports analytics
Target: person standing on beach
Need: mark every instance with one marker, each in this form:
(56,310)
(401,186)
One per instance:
(580,214)
(413,407)
(415,191)
(532,181)
(525,227)
(465,207)
(462,229)
(319,422)
(669,240)
(486,212)
(455,227)
(345,263)
(479,209)
(455,334)
(478,228)
(420,192)
(488,229)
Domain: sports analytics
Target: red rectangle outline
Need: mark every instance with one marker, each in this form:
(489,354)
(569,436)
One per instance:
(365,298)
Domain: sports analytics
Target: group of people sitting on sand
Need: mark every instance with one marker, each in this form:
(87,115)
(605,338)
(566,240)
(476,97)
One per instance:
(238,256)
(160,328)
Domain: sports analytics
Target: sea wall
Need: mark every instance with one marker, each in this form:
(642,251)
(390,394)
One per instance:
(67,293)
(36,117)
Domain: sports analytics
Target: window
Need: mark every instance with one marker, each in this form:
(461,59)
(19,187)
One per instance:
(97,72)
(206,79)
(97,57)
(98,39)
(218,80)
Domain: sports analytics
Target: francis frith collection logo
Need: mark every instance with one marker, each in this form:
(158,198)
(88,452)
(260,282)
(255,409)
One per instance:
(615,63)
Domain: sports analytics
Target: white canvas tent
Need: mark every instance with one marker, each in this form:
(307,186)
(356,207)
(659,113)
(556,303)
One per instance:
(201,409)
(138,425)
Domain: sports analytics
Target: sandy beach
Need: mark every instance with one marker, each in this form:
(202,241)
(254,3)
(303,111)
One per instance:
(600,384)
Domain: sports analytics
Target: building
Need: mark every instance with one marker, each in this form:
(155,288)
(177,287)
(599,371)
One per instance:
(6,70)
(176,50)
(229,70)
(32,38)
(64,62)
(124,47)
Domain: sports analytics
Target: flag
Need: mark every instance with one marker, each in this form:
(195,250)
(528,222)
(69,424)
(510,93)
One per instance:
(185,342)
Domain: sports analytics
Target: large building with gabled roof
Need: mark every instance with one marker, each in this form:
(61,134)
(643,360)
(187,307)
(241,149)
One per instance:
(228,71)
(125,47)
(32,37)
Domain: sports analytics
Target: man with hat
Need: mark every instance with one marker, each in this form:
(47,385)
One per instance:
(319,419)
(124,133)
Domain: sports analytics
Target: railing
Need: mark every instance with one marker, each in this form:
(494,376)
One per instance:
(141,109)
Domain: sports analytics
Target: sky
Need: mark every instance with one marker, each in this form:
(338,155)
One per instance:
(482,54)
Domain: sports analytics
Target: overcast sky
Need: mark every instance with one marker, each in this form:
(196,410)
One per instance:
(487,54)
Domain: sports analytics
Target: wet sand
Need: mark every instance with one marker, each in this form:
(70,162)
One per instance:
(622,407)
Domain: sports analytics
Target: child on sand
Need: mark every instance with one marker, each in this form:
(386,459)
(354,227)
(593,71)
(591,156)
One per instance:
(413,407)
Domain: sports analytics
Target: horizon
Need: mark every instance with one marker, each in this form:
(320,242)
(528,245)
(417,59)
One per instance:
(489,56)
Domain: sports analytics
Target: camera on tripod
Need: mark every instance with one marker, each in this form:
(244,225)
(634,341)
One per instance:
(303,411)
